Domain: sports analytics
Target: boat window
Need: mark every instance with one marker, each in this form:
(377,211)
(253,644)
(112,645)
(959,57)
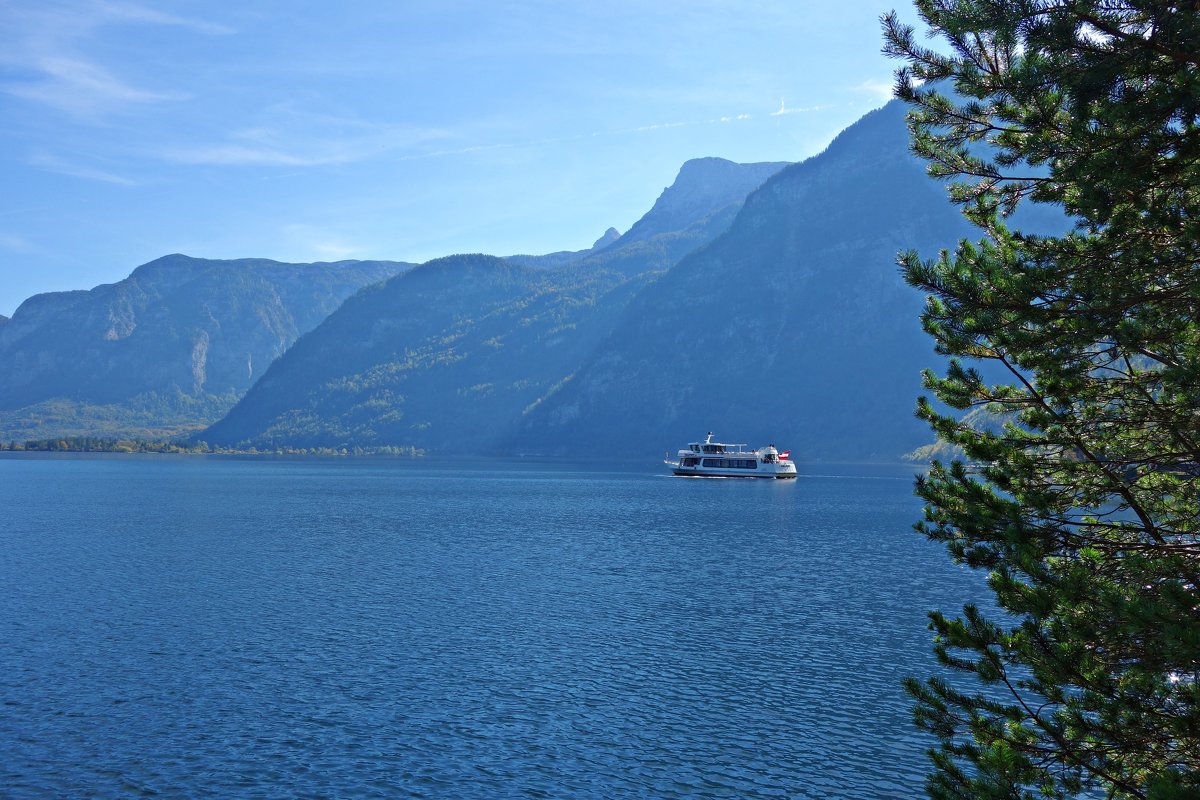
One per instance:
(722,463)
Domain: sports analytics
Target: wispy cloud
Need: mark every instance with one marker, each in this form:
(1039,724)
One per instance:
(310,242)
(877,89)
(552,140)
(135,13)
(53,163)
(333,251)
(81,88)
(16,244)
(664,125)
(784,110)
(287,137)
(656,126)
(233,155)
(42,48)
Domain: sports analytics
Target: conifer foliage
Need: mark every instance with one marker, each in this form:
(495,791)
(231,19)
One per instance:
(1085,508)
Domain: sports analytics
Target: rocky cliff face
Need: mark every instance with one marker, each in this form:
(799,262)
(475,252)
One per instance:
(611,235)
(703,186)
(177,327)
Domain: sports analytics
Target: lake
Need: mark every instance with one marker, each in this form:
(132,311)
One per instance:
(184,626)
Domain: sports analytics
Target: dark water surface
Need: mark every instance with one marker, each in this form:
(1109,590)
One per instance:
(187,627)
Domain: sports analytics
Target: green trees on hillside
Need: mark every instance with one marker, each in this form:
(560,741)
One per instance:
(1085,508)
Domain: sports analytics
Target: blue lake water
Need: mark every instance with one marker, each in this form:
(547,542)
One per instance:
(232,627)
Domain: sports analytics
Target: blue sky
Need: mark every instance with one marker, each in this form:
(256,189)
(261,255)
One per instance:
(315,131)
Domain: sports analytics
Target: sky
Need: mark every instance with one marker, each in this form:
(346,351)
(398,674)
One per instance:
(304,130)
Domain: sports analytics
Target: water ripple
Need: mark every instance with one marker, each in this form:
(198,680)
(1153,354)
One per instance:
(192,628)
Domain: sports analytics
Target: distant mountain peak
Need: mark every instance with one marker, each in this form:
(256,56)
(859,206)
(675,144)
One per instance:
(610,236)
(172,261)
(706,164)
(702,184)
(169,259)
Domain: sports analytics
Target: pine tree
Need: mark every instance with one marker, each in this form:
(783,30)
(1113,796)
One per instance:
(1085,508)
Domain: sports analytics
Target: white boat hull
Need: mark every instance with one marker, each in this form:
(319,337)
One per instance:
(782,471)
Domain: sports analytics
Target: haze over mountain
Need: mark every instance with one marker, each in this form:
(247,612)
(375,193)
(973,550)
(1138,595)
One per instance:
(760,301)
(164,351)
(446,356)
(783,319)
(793,327)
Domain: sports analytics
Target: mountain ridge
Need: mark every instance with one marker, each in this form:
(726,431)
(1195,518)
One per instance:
(562,257)
(408,375)
(703,185)
(793,326)
(762,300)
(179,331)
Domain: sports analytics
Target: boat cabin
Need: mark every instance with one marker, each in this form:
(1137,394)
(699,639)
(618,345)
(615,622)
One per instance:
(709,447)
(723,459)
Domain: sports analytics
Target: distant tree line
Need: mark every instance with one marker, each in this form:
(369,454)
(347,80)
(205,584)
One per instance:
(93,444)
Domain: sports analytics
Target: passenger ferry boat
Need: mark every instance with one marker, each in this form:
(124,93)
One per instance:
(721,460)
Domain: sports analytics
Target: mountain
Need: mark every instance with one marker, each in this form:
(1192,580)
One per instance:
(794,326)
(446,356)
(168,349)
(436,358)
(4,319)
(611,235)
(563,257)
(701,202)
(703,186)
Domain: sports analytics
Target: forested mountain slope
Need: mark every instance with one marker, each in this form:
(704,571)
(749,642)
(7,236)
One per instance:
(793,327)
(167,349)
(448,356)
(440,358)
